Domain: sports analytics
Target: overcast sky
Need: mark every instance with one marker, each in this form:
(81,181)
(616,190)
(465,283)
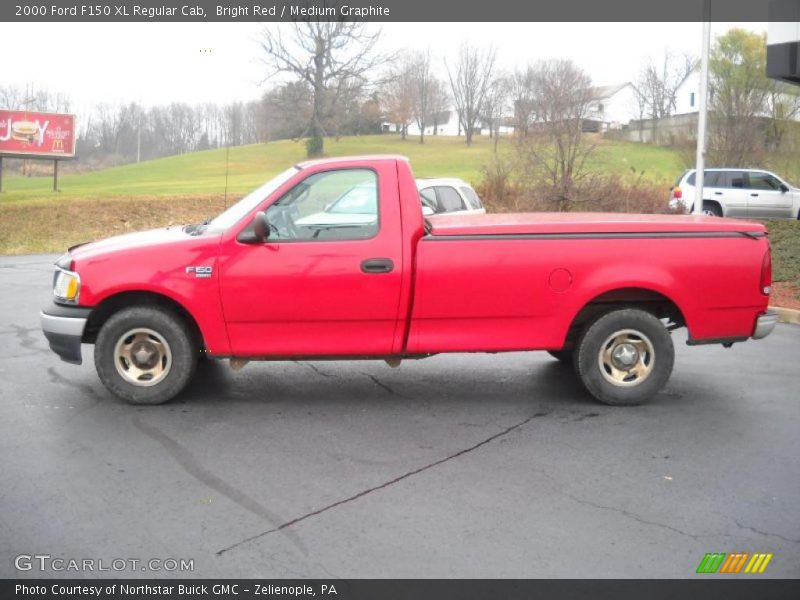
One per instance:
(163,62)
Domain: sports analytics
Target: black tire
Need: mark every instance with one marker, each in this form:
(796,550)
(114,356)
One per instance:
(166,327)
(712,209)
(563,356)
(643,336)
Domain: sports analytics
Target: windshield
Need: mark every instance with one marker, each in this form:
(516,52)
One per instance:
(236,212)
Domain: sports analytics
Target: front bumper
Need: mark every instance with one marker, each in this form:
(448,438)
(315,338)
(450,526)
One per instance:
(63,327)
(765,323)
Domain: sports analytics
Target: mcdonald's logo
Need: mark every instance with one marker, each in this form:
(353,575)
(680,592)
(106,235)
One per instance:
(734,563)
(58,145)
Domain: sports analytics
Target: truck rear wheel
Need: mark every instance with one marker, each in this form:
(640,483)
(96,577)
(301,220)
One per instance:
(145,355)
(625,357)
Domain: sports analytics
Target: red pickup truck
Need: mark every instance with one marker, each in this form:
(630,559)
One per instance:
(333,259)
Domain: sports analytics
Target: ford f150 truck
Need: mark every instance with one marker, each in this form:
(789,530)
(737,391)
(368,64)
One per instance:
(262,281)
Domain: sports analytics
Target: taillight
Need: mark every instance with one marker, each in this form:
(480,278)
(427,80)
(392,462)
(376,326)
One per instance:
(766,273)
(677,193)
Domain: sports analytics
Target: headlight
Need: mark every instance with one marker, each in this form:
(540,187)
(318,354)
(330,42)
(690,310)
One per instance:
(66,286)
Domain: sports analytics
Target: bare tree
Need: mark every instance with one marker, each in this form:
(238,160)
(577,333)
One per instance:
(561,98)
(422,79)
(438,103)
(521,93)
(782,107)
(469,82)
(327,55)
(495,103)
(657,85)
(399,93)
(11,97)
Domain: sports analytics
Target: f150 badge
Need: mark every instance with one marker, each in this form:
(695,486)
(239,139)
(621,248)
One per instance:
(200,272)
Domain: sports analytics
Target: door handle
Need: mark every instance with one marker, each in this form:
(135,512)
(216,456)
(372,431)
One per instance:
(718,193)
(754,195)
(377,265)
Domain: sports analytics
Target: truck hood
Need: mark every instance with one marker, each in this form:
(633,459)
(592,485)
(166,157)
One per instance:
(132,241)
(544,223)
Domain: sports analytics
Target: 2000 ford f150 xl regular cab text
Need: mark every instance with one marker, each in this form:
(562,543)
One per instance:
(264,281)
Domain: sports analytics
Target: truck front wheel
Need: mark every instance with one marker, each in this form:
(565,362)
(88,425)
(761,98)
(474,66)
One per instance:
(625,357)
(145,355)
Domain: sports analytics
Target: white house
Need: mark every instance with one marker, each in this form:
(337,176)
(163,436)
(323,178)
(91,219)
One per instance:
(686,95)
(613,106)
(443,123)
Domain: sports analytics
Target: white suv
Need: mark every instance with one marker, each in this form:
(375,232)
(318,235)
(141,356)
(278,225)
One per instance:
(738,193)
(448,195)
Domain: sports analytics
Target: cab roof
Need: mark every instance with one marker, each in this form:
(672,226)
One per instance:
(346,159)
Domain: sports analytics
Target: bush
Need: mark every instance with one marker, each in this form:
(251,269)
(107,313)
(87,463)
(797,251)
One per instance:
(503,191)
(314,146)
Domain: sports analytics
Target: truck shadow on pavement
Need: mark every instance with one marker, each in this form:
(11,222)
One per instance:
(546,384)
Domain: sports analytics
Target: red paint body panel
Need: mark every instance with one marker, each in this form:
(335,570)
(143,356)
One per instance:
(156,261)
(494,295)
(462,287)
(309,298)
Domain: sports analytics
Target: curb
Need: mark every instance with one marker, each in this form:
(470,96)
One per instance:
(787,315)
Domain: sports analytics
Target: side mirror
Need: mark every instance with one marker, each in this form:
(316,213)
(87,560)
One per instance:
(784,188)
(427,211)
(261,226)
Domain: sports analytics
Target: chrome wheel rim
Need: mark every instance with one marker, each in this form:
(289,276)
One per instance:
(142,357)
(626,358)
(709,213)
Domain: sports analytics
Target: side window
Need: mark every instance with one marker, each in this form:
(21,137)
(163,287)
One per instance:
(428,198)
(710,179)
(764,181)
(737,179)
(472,197)
(332,205)
(449,199)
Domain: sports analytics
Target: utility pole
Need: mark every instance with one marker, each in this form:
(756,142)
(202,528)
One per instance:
(703,110)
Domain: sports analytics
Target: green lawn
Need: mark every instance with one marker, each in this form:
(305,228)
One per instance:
(203,173)
(784,237)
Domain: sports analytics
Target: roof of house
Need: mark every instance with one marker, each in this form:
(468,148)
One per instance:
(601,92)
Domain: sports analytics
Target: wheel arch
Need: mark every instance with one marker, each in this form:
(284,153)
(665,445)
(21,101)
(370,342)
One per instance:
(656,302)
(115,302)
(712,202)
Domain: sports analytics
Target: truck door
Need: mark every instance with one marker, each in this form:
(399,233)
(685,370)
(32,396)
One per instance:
(766,199)
(327,280)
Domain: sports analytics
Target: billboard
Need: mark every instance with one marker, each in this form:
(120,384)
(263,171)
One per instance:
(26,133)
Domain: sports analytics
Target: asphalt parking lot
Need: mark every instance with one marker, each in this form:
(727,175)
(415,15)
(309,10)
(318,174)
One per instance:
(455,466)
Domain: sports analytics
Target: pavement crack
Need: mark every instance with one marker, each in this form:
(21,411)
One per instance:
(189,463)
(632,516)
(380,384)
(316,370)
(383,485)
(765,533)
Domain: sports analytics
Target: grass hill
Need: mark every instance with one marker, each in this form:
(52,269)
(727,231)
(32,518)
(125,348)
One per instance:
(203,173)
